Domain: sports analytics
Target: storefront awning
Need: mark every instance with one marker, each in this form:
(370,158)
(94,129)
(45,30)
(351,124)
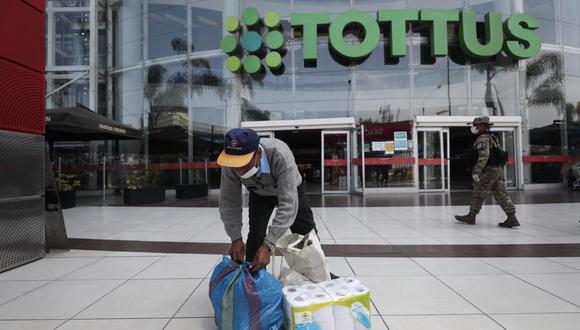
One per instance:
(82,124)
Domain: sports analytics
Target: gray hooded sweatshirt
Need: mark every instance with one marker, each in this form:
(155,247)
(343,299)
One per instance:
(282,182)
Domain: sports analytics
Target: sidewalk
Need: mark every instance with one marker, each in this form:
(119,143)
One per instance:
(114,290)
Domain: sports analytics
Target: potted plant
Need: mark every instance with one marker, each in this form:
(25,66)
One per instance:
(197,189)
(142,188)
(67,185)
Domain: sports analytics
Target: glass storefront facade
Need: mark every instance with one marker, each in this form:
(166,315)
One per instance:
(157,65)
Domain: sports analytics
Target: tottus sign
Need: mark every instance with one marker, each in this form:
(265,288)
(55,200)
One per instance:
(515,36)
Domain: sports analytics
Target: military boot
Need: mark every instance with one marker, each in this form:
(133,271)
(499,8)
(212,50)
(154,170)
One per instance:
(469,218)
(510,222)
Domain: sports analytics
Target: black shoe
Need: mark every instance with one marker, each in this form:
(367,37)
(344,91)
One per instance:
(333,277)
(510,222)
(467,219)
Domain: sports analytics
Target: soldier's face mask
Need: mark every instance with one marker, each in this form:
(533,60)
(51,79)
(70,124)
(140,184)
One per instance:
(474,130)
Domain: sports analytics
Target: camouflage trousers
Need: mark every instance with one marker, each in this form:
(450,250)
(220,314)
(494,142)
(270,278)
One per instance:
(491,179)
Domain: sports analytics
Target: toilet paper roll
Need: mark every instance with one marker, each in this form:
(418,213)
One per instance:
(310,288)
(319,309)
(359,290)
(343,319)
(349,281)
(324,315)
(292,290)
(328,285)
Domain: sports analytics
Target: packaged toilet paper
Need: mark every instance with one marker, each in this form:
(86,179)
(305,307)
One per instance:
(341,304)
(310,310)
(351,307)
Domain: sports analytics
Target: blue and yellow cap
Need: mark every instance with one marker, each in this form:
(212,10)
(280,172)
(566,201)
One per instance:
(240,144)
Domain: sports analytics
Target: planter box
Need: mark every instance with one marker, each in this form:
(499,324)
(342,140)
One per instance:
(143,196)
(187,191)
(68,199)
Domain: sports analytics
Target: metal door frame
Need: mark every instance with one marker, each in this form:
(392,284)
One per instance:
(360,144)
(444,156)
(348,161)
(507,122)
(514,131)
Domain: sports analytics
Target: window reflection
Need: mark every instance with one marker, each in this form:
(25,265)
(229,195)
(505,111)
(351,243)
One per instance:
(494,90)
(167,26)
(541,8)
(372,6)
(71,95)
(545,95)
(486,6)
(71,40)
(206,24)
(445,4)
(330,6)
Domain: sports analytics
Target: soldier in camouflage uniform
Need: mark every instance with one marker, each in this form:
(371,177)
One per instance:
(487,177)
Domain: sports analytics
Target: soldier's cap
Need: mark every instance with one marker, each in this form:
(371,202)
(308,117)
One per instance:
(480,120)
(240,144)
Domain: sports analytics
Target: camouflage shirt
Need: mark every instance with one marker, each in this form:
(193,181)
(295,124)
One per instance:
(483,145)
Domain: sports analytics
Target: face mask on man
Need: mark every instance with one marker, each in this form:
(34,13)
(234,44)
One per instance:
(474,130)
(251,172)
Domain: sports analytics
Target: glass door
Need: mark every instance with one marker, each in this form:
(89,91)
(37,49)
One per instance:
(507,138)
(335,161)
(433,159)
(358,162)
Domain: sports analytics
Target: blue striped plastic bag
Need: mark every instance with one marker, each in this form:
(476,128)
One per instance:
(242,300)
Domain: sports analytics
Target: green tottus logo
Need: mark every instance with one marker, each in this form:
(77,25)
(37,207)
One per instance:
(514,36)
(261,40)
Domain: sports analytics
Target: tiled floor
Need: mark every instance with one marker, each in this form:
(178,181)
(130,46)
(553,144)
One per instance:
(541,224)
(114,290)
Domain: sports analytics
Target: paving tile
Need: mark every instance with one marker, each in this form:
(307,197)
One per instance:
(142,299)
(13,289)
(565,286)
(112,268)
(46,269)
(385,266)
(125,324)
(528,265)
(30,325)
(538,321)
(456,266)
(183,266)
(191,323)
(415,295)
(570,262)
(506,294)
(57,300)
(198,304)
(339,266)
(441,322)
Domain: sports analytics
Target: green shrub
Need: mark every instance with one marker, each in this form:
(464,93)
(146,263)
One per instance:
(67,182)
(142,179)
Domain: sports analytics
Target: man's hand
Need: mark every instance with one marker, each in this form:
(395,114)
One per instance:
(261,259)
(238,250)
(475,177)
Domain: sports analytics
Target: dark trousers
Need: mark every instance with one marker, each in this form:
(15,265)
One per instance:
(261,208)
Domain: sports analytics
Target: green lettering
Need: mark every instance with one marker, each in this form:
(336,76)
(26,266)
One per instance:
(397,20)
(439,20)
(523,41)
(366,46)
(309,23)
(493,34)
